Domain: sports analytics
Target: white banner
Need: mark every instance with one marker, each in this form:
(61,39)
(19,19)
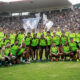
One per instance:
(31,23)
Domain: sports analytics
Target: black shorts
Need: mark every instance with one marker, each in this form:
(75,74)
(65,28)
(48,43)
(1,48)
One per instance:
(34,48)
(18,56)
(43,47)
(6,59)
(49,47)
(38,46)
(27,45)
(74,52)
(58,45)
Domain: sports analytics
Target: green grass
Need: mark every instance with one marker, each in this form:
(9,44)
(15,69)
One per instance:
(42,71)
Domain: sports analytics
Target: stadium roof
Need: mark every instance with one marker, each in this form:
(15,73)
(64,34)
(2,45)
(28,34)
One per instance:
(27,5)
(75,1)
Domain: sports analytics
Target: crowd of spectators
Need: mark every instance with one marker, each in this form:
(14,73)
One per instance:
(65,18)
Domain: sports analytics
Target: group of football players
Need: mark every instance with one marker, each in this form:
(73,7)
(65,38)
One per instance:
(21,46)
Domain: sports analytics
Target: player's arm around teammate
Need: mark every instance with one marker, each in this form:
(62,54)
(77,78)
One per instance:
(20,53)
(8,55)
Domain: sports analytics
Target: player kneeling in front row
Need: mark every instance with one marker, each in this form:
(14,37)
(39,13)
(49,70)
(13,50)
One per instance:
(9,58)
(20,54)
(54,52)
(74,50)
(65,50)
(26,55)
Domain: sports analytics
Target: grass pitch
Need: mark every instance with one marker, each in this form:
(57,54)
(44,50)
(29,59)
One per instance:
(42,71)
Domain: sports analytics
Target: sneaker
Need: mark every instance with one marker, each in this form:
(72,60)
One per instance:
(70,59)
(23,61)
(56,59)
(28,62)
(40,60)
(51,60)
(10,64)
(34,59)
(29,59)
(63,59)
(47,59)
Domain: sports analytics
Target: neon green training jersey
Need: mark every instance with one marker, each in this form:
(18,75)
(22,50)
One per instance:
(54,50)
